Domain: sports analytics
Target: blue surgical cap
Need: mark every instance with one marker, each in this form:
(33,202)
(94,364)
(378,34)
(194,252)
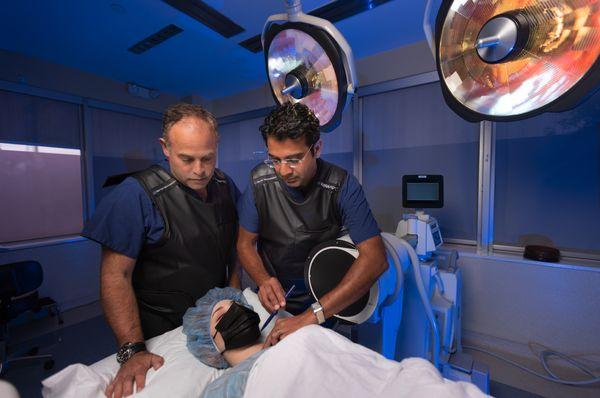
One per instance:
(196,325)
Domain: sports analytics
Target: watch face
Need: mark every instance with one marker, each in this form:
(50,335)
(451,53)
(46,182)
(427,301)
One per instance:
(124,354)
(127,350)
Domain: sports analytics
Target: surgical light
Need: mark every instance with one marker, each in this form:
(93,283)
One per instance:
(512,59)
(309,61)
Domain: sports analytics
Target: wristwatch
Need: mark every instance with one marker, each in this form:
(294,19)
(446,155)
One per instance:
(317,309)
(127,350)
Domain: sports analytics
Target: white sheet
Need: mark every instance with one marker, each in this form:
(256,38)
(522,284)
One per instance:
(291,368)
(316,362)
(182,375)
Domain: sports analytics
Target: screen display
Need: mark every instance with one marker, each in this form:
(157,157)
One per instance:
(422,191)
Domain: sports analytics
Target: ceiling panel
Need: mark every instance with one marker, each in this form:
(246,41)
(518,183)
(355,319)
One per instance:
(95,36)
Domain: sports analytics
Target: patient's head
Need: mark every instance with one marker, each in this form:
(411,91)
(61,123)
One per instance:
(233,325)
(217,313)
(221,321)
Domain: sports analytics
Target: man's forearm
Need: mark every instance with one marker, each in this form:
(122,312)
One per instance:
(365,270)
(121,310)
(252,263)
(249,258)
(118,298)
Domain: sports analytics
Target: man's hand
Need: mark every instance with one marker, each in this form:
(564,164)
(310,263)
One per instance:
(286,326)
(271,295)
(134,370)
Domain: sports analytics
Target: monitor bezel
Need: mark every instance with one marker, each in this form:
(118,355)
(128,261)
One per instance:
(423,204)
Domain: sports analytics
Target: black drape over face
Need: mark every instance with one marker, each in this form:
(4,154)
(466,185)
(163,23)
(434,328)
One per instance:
(239,327)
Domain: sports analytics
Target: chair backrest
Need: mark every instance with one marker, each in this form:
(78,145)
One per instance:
(20,278)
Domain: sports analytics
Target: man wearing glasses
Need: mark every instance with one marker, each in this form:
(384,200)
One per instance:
(295,201)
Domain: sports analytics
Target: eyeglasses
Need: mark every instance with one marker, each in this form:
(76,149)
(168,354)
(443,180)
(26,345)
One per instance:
(292,163)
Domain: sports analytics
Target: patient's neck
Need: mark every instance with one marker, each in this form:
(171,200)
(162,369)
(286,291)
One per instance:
(237,355)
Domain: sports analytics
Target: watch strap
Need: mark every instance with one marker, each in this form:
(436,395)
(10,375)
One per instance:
(137,347)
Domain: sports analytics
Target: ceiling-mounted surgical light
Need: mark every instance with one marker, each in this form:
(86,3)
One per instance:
(309,61)
(512,59)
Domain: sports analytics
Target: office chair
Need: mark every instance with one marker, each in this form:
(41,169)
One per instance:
(19,284)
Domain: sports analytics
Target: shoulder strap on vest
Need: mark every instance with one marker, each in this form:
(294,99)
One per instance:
(332,177)
(155,180)
(220,177)
(262,174)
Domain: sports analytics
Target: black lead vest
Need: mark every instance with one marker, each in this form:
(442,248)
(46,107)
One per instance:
(289,230)
(193,254)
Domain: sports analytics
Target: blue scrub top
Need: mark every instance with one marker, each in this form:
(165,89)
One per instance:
(354,208)
(126,218)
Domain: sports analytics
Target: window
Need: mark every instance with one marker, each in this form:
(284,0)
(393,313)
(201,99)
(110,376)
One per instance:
(547,187)
(42,195)
(27,119)
(412,131)
(40,168)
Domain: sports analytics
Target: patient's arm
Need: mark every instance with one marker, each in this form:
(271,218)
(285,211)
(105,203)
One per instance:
(270,292)
(121,311)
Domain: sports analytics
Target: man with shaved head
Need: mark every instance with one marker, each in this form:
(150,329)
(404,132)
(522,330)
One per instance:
(168,236)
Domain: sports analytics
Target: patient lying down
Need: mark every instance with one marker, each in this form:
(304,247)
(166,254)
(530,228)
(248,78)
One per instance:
(223,331)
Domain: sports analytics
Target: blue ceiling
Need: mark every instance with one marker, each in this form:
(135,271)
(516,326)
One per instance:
(94,36)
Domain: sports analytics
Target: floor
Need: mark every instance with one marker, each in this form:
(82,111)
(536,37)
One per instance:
(505,375)
(85,337)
